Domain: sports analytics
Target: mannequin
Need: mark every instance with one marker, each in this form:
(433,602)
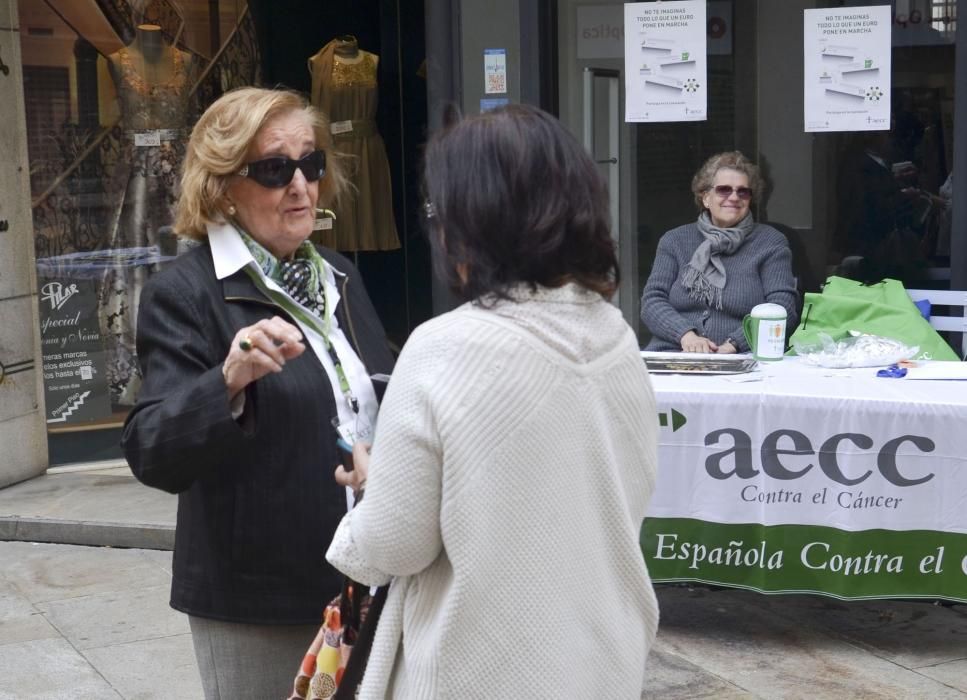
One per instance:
(141,71)
(347,49)
(150,47)
(344,88)
(153,82)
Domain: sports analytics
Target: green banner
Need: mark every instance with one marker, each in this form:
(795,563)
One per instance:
(808,559)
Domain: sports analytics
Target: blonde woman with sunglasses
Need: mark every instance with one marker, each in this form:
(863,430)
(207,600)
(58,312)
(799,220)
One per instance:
(253,345)
(707,275)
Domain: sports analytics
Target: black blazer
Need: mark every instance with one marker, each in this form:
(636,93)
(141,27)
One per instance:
(257,503)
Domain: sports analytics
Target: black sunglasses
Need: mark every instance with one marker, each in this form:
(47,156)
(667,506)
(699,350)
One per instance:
(725,191)
(278,171)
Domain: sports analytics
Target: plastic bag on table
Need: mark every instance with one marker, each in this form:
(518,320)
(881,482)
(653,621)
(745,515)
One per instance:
(856,350)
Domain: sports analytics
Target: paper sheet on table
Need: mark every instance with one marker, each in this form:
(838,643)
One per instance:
(939,370)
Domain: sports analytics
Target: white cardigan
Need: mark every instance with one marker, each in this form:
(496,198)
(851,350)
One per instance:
(514,458)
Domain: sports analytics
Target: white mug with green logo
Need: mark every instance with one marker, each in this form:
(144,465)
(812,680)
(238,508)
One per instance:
(765,331)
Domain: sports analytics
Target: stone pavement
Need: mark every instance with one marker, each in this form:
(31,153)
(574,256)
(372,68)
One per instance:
(94,622)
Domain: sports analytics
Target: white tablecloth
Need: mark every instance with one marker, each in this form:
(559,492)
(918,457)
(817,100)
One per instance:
(840,462)
(792,377)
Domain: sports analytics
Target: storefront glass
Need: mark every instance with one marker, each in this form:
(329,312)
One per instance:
(112,89)
(861,204)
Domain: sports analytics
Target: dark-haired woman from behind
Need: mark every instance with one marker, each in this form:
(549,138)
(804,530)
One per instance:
(516,446)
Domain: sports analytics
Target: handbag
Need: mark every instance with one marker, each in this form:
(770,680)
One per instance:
(335,661)
(883,308)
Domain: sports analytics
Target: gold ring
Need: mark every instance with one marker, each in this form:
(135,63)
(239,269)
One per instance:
(245,344)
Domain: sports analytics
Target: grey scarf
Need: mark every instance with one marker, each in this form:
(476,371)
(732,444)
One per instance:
(704,275)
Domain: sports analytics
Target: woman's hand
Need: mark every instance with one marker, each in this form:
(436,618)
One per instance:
(693,342)
(270,342)
(355,479)
(727,348)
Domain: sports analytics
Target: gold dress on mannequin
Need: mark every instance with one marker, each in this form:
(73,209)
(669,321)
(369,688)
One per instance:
(344,88)
(153,85)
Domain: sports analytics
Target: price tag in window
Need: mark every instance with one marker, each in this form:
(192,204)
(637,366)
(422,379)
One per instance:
(147,138)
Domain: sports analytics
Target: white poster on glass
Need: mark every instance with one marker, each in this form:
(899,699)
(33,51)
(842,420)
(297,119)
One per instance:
(665,68)
(847,68)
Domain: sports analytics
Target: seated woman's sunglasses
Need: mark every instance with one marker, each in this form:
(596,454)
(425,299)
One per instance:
(725,191)
(278,171)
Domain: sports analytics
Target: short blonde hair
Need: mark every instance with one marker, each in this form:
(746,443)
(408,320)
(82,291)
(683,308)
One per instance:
(729,160)
(219,146)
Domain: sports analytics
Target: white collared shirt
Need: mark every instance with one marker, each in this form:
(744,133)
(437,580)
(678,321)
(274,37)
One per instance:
(231,255)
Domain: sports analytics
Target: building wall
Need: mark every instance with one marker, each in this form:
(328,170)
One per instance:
(22,430)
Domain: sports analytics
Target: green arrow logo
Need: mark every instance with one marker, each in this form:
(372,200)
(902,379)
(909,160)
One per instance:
(678,420)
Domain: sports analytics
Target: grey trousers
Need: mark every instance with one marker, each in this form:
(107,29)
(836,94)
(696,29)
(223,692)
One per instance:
(248,662)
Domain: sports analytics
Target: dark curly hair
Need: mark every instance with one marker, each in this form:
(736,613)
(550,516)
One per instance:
(513,197)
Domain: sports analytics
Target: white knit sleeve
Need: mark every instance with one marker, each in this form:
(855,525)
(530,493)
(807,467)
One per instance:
(344,555)
(395,530)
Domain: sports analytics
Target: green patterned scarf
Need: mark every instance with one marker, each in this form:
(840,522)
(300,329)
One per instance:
(302,277)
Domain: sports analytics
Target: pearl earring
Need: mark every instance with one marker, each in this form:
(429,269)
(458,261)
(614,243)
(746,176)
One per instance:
(232,210)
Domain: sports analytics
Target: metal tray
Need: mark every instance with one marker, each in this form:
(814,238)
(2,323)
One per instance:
(697,363)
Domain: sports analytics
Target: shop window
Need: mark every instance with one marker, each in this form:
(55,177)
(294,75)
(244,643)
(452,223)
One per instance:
(112,88)
(864,204)
(47,91)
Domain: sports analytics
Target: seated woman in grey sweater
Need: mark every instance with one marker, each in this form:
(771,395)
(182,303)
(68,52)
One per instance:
(708,275)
